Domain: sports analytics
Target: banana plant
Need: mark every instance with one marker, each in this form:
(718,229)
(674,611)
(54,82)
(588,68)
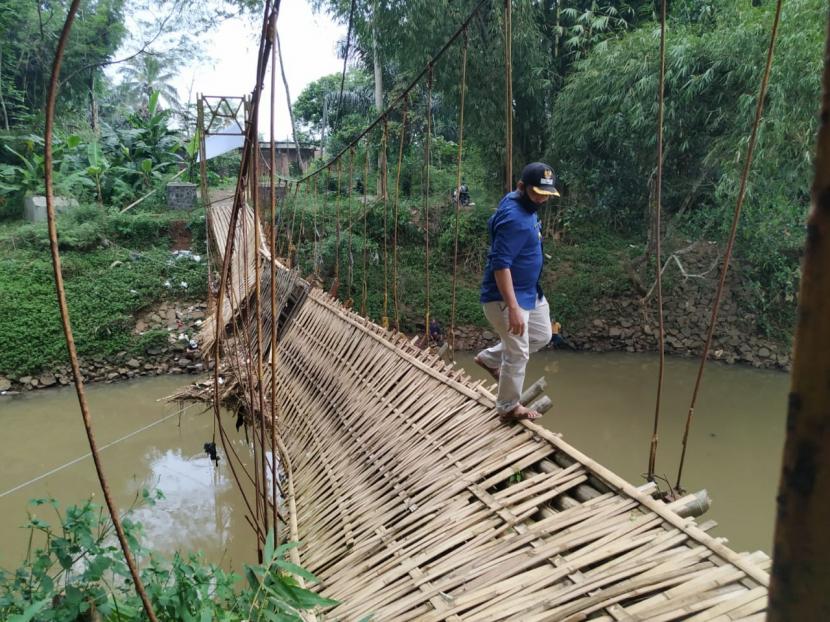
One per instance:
(98,165)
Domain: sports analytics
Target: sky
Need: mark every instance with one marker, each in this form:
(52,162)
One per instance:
(308,51)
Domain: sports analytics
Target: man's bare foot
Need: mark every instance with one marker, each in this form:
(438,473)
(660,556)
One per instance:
(518,414)
(493,371)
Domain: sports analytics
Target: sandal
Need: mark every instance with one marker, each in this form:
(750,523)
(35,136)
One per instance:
(493,371)
(520,413)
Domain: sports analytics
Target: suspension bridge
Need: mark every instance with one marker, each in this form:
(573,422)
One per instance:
(411,499)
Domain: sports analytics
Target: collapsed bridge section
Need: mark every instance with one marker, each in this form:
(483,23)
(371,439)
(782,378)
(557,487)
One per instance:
(413,502)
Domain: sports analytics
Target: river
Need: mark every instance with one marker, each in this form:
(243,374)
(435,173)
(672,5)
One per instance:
(603,405)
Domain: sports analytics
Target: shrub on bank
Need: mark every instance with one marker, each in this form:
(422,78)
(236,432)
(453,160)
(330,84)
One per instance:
(105,289)
(73,571)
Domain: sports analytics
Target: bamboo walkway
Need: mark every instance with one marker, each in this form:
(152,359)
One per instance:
(413,502)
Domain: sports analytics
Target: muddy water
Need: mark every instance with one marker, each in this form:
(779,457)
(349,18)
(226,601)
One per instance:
(42,431)
(603,404)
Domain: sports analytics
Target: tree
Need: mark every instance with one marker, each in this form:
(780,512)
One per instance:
(28,32)
(604,133)
(316,107)
(412,31)
(147,74)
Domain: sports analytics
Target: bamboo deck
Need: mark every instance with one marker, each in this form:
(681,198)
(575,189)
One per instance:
(413,502)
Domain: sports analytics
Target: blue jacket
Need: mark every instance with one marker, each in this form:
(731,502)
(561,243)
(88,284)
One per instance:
(515,243)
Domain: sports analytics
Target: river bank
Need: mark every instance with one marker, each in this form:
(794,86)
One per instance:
(171,329)
(620,330)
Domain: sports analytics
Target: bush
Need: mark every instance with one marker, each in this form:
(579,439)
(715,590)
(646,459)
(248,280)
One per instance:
(104,288)
(73,572)
(138,229)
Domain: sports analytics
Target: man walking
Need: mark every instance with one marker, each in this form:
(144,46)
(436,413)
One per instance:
(511,292)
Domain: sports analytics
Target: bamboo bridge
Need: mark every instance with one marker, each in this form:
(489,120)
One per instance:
(413,502)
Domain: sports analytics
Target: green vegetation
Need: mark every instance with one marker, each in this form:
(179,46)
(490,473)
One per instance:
(114,265)
(74,570)
(585,100)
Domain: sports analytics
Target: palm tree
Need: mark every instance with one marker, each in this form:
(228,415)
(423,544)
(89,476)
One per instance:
(147,73)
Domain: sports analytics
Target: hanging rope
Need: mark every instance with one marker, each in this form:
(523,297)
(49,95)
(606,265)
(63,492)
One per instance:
(427,159)
(336,284)
(252,190)
(279,221)
(272,247)
(292,247)
(756,124)
(350,278)
(260,394)
(395,231)
(508,94)
(316,247)
(302,237)
(384,187)
(242,179)
(458,193)
(658,209)
(364,292)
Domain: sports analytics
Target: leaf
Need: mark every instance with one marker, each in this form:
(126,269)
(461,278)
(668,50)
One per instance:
(95,156)
(268,552)
(30,611)
(73,140)
(147,165)
(153,104)
(297,570)
(306,599)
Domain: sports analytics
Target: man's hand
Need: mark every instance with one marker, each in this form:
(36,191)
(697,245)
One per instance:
(516,320)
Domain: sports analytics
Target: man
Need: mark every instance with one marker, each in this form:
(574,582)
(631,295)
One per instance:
(510,291)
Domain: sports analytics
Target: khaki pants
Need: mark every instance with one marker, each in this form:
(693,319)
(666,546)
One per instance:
(512,353)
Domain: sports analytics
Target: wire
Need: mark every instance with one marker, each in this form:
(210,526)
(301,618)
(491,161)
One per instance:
(88,454)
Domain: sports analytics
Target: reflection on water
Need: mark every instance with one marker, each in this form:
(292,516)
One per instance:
(201,509)
(191,510)
(603,405)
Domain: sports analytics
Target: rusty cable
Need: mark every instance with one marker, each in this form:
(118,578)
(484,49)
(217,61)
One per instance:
(658,209)
(458,193)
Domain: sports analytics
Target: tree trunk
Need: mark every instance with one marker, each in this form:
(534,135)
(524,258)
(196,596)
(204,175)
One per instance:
(378,105)
(556,32)
(3,101)
(93,104)
(324,124)
(800,569)
(288,99)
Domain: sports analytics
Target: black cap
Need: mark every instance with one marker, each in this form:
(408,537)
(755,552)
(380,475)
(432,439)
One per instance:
(541,178)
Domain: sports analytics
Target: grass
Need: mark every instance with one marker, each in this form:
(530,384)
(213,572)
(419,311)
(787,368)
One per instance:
(124,272)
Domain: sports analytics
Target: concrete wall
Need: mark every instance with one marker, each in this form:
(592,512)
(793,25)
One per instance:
(181,195)
(34,208)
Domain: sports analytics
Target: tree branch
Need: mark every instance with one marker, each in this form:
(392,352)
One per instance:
(142,50)
(686,275)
